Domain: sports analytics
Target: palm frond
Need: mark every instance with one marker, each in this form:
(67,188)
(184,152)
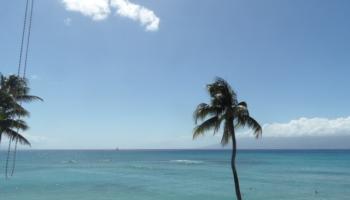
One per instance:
(250,123)
(18,111)
(9,133)
(28,98)
(240,111)
(207,125)
(204,110)
(11,123)
(12,109)
(21,139)
(14,135)
(253,124)
(20,124)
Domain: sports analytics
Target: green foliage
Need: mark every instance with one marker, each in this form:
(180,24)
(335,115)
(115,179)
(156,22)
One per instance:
(13,92)
(223,108)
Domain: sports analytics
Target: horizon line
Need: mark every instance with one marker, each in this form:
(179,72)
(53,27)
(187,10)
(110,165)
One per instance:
(184,149)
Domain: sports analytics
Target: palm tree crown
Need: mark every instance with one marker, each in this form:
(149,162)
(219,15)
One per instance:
(13,91)
(224,108)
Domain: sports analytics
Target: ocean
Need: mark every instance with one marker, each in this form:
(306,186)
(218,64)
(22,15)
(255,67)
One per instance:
(177,175)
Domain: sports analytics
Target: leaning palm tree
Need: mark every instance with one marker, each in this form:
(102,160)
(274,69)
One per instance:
(225,109)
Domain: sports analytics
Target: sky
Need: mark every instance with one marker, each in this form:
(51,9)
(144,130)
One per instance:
(129,74)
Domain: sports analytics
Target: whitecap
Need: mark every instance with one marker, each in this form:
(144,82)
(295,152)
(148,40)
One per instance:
(188,162)
(142,167)
(70,162)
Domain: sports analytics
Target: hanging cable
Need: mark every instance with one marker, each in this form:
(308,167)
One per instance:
(18,74)
(25,41)
(24,76)
(22,40)
(28,38)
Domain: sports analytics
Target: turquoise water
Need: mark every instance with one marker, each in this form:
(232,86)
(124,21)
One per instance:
(177,175)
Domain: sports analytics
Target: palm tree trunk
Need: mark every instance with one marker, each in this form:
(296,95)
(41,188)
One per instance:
(233,166)
(14,158)
(0,141)
(8,158)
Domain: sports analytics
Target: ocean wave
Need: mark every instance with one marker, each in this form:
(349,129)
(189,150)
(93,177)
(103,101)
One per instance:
(142,167)
(69,162)
(105,160)
(187,162)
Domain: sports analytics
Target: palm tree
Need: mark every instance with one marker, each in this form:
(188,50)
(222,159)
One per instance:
(225,109)
(13,91)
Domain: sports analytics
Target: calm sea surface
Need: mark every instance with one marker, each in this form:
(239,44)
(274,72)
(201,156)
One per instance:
(177,175)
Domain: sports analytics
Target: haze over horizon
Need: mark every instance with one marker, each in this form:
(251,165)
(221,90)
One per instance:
(112,76)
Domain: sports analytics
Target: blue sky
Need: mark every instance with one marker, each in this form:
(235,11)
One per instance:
(110,81)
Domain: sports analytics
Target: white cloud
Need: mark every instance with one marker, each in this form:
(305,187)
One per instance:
(67,21)
(96,9)
(136,12)
(101,9)
(308,127)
